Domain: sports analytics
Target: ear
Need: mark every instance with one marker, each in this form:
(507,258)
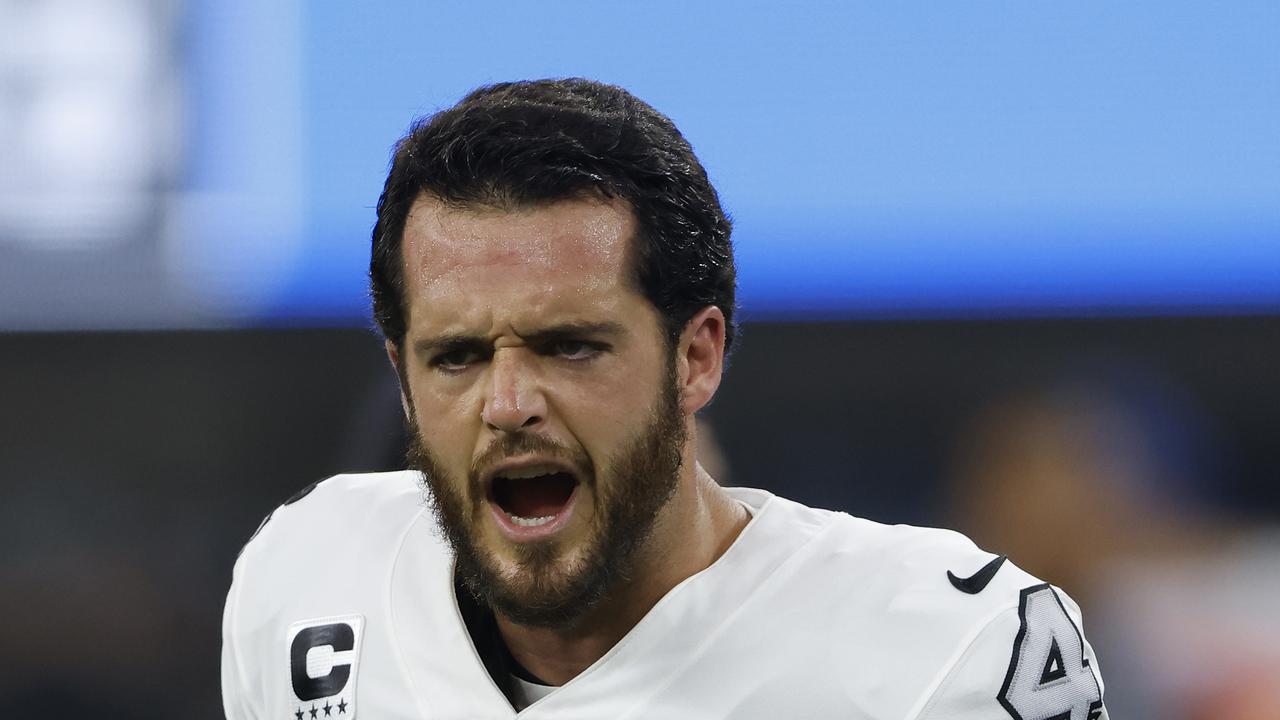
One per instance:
(393,354)
(700,358)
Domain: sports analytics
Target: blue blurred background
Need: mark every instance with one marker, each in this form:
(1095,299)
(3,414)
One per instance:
(880,160)
(1009,267)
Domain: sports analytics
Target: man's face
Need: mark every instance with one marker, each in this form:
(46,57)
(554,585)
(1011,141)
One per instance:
(544,400)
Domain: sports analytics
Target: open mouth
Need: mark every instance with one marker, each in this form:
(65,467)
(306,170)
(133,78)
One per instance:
(532,497)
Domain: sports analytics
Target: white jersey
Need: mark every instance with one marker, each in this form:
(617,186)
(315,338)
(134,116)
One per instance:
(343,606)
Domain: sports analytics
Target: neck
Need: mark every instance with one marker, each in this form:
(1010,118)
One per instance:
(695,528)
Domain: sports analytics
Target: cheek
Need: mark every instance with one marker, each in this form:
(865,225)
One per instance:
(606,414)
(446,422)
(441,399)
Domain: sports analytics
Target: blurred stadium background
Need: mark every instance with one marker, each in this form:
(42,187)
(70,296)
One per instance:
(1011,268)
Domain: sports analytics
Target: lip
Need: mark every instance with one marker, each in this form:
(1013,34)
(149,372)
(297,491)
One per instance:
(522,534)
(524,461)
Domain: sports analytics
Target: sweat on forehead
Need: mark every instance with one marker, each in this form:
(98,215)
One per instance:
(530,254)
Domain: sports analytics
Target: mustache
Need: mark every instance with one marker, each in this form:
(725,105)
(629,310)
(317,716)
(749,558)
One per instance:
(529,444)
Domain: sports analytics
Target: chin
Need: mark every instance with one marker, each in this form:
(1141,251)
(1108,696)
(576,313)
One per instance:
(542,587)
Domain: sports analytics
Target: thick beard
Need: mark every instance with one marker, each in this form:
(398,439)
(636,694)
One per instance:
(640,480)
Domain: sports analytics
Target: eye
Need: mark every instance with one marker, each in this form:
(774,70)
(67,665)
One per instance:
(575,349)
(455,361)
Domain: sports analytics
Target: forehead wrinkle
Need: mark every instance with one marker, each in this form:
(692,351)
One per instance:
(543,329)
(489,268)
(518,315)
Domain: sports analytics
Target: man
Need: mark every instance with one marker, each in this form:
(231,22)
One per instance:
(553,275)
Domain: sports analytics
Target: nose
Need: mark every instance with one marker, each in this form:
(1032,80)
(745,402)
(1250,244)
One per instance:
(514,400)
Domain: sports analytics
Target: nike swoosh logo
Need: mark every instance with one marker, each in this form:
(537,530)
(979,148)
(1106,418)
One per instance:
(977,582)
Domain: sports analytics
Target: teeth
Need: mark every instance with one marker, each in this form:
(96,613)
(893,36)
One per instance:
(530,471)
(530,522)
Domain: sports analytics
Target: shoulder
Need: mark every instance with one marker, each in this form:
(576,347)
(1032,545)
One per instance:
(328,508)
(912,590)
(934,626)
(349,524)
(991,639)
(929,590)
(321,572)
(941,571)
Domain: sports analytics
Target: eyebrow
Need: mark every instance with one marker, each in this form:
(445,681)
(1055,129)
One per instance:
(561,331)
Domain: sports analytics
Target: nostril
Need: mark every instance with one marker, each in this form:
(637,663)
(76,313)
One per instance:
(512,411)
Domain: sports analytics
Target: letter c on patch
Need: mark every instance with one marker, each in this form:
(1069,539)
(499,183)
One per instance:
(339,636)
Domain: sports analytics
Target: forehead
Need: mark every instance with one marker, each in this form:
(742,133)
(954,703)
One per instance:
(467,260)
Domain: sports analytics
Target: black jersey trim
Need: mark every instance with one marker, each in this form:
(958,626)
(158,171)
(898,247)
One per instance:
(486,638)
(291,500)
(302,493)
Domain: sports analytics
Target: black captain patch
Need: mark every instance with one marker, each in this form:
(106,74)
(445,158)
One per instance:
(323,656)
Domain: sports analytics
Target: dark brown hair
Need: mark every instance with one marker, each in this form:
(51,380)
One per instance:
(517,144)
